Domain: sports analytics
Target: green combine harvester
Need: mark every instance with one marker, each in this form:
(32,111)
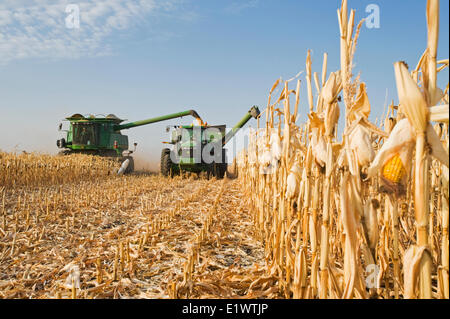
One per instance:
(102,136)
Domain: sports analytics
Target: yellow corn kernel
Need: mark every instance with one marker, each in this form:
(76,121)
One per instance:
(394,169)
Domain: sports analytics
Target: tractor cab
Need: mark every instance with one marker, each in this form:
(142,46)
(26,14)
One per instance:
(189,136)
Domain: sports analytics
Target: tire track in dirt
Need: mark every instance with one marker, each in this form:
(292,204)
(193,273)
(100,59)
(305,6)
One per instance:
(230,261)
(171,244)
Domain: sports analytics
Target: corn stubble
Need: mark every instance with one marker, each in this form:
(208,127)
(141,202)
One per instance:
(93,234)
(365,214)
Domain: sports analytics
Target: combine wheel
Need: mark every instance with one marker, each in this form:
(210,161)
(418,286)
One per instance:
(64,153)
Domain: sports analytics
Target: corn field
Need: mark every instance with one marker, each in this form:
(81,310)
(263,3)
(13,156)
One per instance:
(312,214)
(34,170)
(364,214)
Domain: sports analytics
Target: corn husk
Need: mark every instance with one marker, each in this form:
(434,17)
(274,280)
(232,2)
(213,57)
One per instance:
(332,87)
(276,147)
(293,181)
(437,149)
(361,143)
(412,102)
(361,106)
(389,124)
(319,147)
(401,141)
(371,222)
(439,113)
(329,95)
(316,121)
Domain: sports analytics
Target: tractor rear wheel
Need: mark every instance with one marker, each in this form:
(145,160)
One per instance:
(219,170)
(166,163)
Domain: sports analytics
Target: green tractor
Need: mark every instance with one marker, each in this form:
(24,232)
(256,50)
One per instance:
(200,148)
(102,136)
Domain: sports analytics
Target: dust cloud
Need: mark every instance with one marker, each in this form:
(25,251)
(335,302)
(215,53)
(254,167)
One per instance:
(144,162)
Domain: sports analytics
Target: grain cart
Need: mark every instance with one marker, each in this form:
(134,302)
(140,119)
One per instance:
(102,136)
(191,143)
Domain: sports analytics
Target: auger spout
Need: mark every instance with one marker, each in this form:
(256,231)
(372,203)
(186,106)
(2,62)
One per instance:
(253,112)
(159,119)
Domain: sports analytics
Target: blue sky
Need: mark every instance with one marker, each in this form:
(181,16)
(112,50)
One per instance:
(144,58)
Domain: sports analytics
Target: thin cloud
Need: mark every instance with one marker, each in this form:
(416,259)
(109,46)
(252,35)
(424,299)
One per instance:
(239,6)
(37,28)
